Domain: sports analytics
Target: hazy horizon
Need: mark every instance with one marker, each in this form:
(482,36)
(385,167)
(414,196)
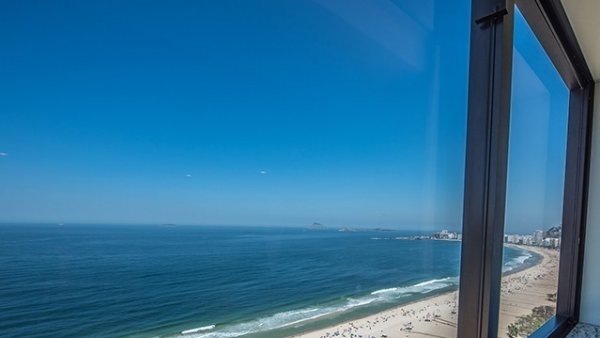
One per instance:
(278,113)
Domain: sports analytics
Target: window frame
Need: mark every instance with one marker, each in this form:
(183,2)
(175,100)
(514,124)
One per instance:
(490,77)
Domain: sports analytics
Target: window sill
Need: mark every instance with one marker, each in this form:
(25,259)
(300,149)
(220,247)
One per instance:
(584,331)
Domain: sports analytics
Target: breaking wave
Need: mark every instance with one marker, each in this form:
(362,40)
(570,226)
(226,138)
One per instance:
(517,262)
(295,317)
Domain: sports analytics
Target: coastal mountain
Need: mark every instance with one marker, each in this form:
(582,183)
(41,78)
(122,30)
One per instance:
(554,232)
(316,226)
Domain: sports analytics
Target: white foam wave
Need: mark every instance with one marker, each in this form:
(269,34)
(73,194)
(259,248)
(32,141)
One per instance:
(419,288)
(517,261)
(198,329)
(295,317)
(383,291)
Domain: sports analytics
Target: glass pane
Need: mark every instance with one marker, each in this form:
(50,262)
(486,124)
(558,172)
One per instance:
(536,169)
(231,168)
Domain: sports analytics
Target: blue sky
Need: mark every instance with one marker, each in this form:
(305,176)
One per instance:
(347,113)
(538,131)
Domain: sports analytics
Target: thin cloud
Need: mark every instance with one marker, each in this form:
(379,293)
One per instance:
(3,154)
(263,172)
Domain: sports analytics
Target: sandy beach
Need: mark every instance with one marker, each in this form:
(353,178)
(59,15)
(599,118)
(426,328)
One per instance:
(437,316)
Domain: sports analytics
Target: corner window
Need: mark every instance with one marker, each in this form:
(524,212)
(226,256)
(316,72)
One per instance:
(534,197)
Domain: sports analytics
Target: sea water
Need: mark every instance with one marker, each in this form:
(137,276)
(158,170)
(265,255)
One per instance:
(212,281)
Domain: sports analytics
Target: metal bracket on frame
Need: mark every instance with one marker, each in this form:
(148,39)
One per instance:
(492,17)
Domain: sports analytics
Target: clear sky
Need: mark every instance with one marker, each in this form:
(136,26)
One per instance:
(347,113)
(537,148)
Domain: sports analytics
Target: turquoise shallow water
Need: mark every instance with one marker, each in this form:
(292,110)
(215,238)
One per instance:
(213,282)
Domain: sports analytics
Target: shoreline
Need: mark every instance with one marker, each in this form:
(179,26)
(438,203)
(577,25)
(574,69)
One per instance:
(436,316)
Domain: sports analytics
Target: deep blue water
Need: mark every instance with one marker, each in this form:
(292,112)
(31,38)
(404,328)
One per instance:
(105,281)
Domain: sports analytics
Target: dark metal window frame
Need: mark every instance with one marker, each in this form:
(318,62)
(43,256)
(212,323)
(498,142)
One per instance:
(487,156)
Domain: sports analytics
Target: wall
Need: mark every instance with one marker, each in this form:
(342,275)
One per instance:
(590,295)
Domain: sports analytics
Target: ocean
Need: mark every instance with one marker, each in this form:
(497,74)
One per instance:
(212,281)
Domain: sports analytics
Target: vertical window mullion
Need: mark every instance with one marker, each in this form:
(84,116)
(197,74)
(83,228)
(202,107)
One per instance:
(486,166)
